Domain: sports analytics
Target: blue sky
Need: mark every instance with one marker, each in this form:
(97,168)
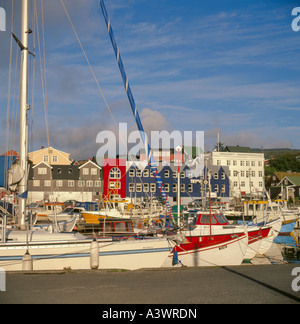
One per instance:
(228,67)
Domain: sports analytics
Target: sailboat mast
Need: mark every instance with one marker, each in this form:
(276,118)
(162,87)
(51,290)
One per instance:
(23,145)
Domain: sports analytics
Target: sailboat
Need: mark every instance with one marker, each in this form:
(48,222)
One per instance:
(28,249)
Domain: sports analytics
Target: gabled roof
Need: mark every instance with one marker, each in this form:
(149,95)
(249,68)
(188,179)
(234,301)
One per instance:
(89,161)
(293,179)
(46,164)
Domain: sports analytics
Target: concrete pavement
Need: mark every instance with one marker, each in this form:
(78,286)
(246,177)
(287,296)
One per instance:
(258,284)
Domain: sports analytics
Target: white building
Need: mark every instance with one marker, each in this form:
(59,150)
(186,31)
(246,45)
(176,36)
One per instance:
(246,169)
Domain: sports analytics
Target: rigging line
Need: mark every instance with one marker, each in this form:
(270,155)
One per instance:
(41,69)
(88,62)
(92,71)
(8,95)
(45,80)
(135,112)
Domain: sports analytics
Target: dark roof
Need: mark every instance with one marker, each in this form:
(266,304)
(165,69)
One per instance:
(238,149)
(70,172)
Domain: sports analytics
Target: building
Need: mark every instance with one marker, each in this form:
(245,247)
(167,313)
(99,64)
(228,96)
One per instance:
(50,156)
(141,183)
(246,169)
(284,185)
(65,182)
(114,179)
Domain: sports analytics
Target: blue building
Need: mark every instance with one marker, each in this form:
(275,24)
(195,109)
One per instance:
(141,184)
(5,163)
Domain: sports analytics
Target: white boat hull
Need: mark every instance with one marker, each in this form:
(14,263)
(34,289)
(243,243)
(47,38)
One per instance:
(223,254)
(75,255)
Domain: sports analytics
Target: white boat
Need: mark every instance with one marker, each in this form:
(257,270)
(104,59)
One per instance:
(67,214)
(211,241)
(60,251)
(42,250)
(58,226)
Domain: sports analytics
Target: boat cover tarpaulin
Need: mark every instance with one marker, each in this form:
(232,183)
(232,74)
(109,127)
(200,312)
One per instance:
(5,163)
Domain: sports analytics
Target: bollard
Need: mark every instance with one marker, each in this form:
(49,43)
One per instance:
(94,254)
(27,264)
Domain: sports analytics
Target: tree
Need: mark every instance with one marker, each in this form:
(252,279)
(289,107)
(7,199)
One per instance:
(220,147)
(286,162)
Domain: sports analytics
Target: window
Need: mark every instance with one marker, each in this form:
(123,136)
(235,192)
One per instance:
(182,187)
(216,175)
(259,163)
(223,175)
(234,163)
(167,173)
(54,158)
(242,173)
(59,171)
(47,183)
(207,219)
(112,185)
(260,174)
(228,162)
(131,173)
(174,187)
(138,173)
(131,187)
(235,173)
(247,163)
(167,187)
(252,163)
(138,187)
(81,183)
(242,163)
(218,162)
(182,174)
(190,188)
(223,188)
(235,184)
(115,173)
(146,187)
(42,170)
(70,171)
(175,174)
(146,173)
(85,171)
(71,183)
(152,187)
(59,183)
(216,188)
(36,183)
(97,183)
(89,183)
(242,183)
(252,173)
(46,158)
(93,171)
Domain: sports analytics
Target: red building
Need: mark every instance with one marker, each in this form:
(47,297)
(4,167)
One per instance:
(114,179)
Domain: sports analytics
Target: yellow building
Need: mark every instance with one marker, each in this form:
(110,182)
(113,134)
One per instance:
(50,156)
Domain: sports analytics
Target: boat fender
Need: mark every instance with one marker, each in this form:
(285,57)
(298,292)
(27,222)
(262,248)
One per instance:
(94,254)
(27,263)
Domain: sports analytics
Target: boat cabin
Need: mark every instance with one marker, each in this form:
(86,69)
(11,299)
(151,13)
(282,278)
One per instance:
(109,227)
(197,217)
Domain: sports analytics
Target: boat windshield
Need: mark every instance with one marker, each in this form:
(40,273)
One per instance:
(67,210)
(221,219)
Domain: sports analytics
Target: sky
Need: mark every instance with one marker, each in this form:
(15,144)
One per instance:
(229,67)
